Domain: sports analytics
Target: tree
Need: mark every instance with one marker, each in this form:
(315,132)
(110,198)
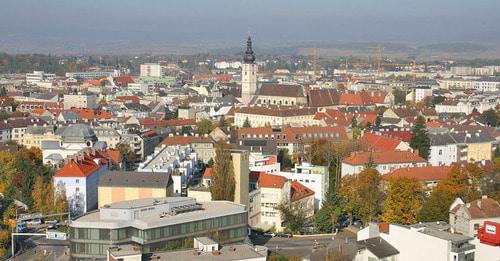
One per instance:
(222,122)
(38,195)
(378,121)
(399,96)
(210,163)
(462,182)
(294,214)
(3,91)
(420,139)
(490,117)
(204,126)
(169,115)
(246,124)
(404,198)
(284,159)
(223,183)
(61,202)
(128,154)
(361,195)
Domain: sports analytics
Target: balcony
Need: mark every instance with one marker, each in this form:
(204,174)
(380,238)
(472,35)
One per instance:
(462,248)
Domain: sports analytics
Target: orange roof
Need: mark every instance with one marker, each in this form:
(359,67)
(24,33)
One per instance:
(113,154)
(90,114)
(207,173)
(93,82)
(185,140)
(386,157)
(38,111)
(377,142)
(133,99)
(299,191)
(74,168)
(433,124)
(271,181)
(149,133)
(420,173)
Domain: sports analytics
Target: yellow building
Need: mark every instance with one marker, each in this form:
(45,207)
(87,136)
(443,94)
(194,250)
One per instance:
(479,151)
(129,185)
(34,136)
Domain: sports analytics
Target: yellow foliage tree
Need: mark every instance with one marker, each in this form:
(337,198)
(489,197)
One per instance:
(404,197)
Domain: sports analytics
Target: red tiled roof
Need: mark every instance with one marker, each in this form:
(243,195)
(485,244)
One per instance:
(433,124)
(207,173)
(281,90)
(427,173)
(332,117)
(149,133)
(386,157)
(74,168)
(123,80)
(377,142)
(403,135)
(277,111)
(133,99)
(481,208)
(113,154)
(323,97)
(271,181)
(186,140)
(90,114)
(299,191)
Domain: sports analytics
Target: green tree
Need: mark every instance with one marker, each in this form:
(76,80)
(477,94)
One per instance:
(420,139)
(204,126)
(223,183)
(404,198)
(128,154)
(246,124)
(378,121)
(490,117)
(284,159)
(399,96)
(210,163)
(222,122)
(295,215)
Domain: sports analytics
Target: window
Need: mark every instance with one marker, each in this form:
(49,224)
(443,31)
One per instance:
(77,181)
(440,152)
(476,226)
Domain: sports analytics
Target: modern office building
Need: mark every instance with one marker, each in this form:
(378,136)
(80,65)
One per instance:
(92,74)
(88,101)
(156,224)
(39,76)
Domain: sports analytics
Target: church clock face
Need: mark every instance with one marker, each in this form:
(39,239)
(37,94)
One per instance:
(89,144)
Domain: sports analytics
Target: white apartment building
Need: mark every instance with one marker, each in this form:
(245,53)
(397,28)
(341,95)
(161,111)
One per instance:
(313,177)
(486,86)
(39,76)
(92,74)
(384,162)
(422,242)
(152,70)
(444,150)
(178,161)
(80,101)
(418,94)
(141,87)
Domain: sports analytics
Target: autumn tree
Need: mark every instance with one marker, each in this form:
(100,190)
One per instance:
(462,181)
(420,139)
(204,126)
(60,200)
(223,184)
(361,194)
(404,198)
(295,214)
(128,154)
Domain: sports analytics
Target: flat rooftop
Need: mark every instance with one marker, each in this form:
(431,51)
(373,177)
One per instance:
(210,209)
(227,253)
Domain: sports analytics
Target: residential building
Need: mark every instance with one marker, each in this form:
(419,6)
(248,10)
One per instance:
(204,146)
(240,159)
(430,176)
(466,218)
(444,150)
(419,93)
(39,76)
(35,134)
(79,177)
(91,74)
(380,142)
(261,116)
(154,224)
(152,70)
(116,186)
(86,101)
(108,135)
(315,178)
(433,242)
(180,162)
(376,249)
(301,197)
(383,162)
(274,190)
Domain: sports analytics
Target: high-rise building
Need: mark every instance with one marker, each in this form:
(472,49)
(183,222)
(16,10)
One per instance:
(152,70)
(248,74)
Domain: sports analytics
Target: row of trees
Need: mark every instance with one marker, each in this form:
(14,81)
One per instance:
(23,177)
(404,200)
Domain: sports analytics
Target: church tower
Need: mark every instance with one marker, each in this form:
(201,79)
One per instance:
(248,74)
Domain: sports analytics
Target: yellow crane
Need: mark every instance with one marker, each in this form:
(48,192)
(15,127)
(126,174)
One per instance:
(314,58)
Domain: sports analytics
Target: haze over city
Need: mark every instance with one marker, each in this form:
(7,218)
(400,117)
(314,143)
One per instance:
(70,26)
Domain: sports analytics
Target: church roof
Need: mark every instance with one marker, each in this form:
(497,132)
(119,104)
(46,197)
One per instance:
(281,90)
(249,56)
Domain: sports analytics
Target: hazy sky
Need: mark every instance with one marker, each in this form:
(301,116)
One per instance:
(228,21)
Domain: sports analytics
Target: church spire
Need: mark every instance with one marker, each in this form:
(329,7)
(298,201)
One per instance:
(249,56)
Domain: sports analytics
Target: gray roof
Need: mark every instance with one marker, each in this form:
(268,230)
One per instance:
(78,133)
(134,179)
(379,247)
(50,144)
(39,130)
(55,156)
(70,116)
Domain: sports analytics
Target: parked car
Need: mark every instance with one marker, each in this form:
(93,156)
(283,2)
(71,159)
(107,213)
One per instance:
(53,221)
(269,234)
(287,235)
(34,222)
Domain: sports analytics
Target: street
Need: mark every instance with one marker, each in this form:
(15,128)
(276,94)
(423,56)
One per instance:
(39,248)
